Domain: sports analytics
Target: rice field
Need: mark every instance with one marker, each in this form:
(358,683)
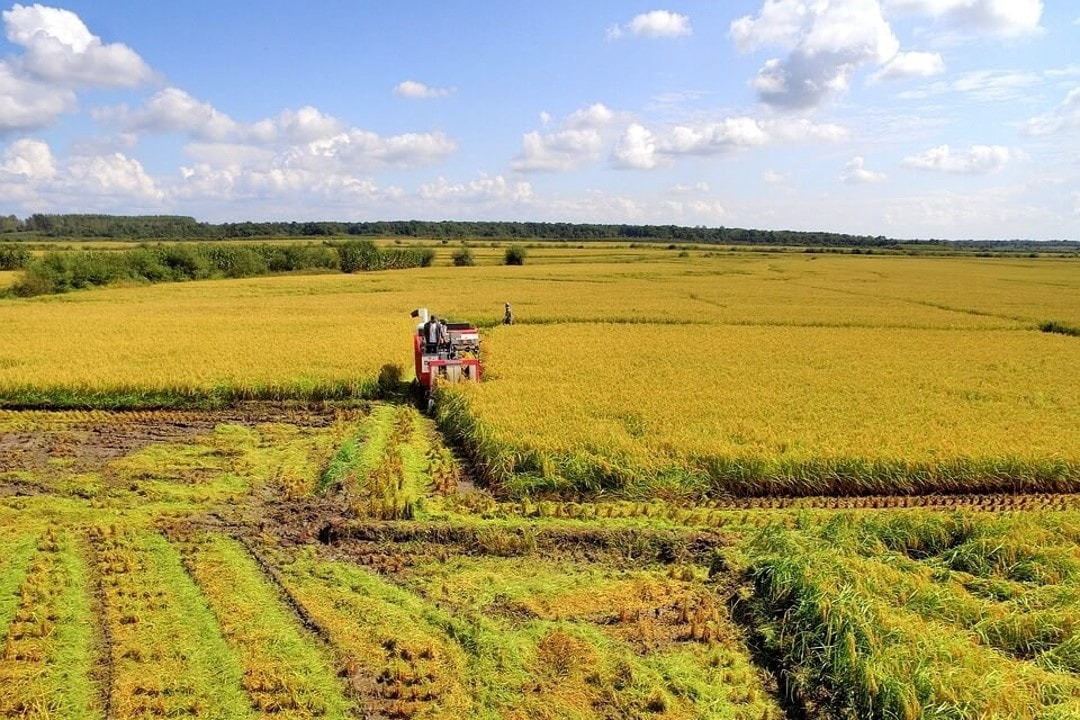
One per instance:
(680,492)
(736,410)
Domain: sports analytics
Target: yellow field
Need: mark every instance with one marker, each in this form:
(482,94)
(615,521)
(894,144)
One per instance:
(294,330)
(727,366)
(8,278)
(639,400)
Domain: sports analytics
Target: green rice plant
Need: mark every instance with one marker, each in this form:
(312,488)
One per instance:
(284,668)
(45,668)
(15,554)
(168,656)
(380,638)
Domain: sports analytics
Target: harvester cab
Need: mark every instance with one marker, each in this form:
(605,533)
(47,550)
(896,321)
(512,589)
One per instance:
(454,357)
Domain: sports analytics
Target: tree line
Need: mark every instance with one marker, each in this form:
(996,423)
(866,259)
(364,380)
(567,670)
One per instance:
(179,227)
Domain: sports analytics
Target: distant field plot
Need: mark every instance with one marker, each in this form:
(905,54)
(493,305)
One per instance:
(328,335)
(8,278)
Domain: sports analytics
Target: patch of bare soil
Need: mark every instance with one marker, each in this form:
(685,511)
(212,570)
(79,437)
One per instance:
(76,442)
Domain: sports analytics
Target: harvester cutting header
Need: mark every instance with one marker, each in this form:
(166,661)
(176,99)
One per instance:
(445,351)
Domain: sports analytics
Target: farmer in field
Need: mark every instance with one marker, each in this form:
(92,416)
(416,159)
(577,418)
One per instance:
(444,336)
(508,315)
(431,334)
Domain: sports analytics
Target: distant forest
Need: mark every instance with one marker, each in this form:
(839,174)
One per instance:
(176,227)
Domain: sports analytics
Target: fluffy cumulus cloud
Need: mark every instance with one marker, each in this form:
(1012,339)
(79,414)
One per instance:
(580,139)
(978,160)
(657,23)
(826,43)
(27,160)
(414,90)
(304,139)
(31,174)
(855,172)
(58,57)
(1065,117)
(998,18)
(26,103)
(172,111)
(60,48)
(640,148)
(636,149)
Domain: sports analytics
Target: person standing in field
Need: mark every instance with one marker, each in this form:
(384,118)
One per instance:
(508,315)
(431,334)
(444,335)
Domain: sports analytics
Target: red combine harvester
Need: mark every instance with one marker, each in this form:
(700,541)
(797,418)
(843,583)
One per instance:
(455,359)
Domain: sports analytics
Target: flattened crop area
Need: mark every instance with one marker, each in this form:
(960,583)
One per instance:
(329,563)
(323,562)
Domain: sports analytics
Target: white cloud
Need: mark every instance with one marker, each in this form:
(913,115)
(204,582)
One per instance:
(579,140)
(483,189)
(1065,116)
(712,138)
(997,18)
(698,187)
(172,110)
(33,176)
(301,139)
(414,90)
(595,116)
(115,175)
(297,126)
(59,48)
(657,23)
(26,103)
(911,64)
(827,43)
(29,159)
(557,151)
(545,118)
(982,86)
(640,148)
(358,149)
(855,173)
(59,57)
(980,159)
(636,149)
(772,177)
(644,149)
(702,211)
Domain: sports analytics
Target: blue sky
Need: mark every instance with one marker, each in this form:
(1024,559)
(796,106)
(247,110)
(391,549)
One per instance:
(907,118)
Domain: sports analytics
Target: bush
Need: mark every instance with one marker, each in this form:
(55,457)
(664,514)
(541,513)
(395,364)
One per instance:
(515,255)
(13,257)
(463,257)
(365,255)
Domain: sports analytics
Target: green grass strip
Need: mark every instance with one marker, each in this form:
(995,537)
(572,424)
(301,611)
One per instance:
(284,669)
(15,555)
(177,641)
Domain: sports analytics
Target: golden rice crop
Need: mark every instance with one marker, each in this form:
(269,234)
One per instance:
(334,331)
(790,409)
